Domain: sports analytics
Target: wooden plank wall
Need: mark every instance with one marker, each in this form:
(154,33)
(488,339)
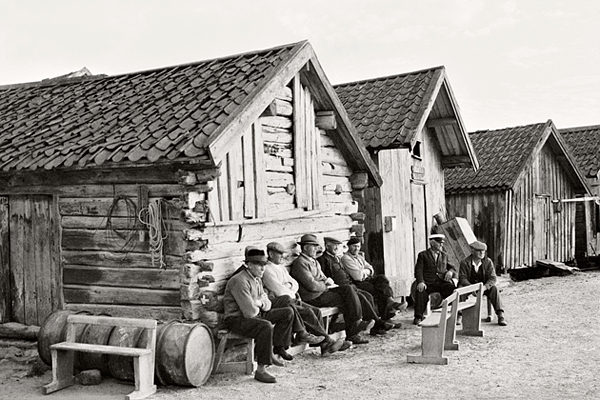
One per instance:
(5,289)
(530,227)
(485,213)
(434,177)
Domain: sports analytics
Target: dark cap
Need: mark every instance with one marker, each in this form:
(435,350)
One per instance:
(354,240)
(254,254)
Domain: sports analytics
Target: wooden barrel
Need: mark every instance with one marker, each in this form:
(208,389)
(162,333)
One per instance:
(121,367)
(185,353)
(54,330)
(94,334)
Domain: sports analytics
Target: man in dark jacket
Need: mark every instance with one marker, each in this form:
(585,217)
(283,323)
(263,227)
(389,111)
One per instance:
(317,289)
(479,268)
(433,275)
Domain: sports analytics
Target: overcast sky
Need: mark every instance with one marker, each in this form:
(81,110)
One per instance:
(509,62)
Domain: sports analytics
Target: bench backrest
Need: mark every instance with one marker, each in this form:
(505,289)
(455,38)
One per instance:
(476,287)
(448,301)
(148,324)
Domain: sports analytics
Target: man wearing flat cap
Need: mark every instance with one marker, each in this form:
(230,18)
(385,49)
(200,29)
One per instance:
(479,268)
(363,276)
(248,312)
(283,290)
(433,275)
(320,291)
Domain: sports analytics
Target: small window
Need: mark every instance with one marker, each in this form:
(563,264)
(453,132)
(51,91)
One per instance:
(416,150)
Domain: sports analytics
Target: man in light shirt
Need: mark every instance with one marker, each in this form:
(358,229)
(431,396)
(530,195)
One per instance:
(283,290)
(479,268)
(364,277)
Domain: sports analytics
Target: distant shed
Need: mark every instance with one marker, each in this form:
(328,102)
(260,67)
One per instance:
(135,195)
(584,145)
(412,127)
(514,201)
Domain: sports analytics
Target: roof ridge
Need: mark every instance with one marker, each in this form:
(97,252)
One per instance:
(51,82)
(390,76)
(578,128)
(508,127)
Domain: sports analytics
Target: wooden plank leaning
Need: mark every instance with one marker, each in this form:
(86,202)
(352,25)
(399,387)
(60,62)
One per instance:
(143,359)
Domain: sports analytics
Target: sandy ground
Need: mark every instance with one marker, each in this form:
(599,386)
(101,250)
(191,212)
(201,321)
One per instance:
(549,350)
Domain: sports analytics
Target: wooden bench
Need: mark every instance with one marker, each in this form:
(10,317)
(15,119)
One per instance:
(63,354)
(438,330)
(437,334)
(249,365)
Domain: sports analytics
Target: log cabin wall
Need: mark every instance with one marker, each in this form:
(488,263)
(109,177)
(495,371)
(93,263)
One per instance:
(285,177)
(104,261)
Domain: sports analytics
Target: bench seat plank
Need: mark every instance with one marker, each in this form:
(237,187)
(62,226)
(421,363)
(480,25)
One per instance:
(101,349)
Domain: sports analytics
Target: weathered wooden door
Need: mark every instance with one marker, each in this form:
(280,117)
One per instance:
(33,267)
(394,167)
(419,216)
(541,228)
(5,298)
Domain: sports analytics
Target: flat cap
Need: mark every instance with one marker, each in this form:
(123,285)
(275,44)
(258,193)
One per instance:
(275,246)
(329,239)
(477,245)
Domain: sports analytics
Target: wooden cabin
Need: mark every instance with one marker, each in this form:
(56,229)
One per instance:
(584,147)
(412,127)
(516,201)
(135,195)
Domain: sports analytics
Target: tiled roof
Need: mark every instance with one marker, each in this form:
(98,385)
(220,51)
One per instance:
(386,110)
(163,114)
(502,154)
(584,145)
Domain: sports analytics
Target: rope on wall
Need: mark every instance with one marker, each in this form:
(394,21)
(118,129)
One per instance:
(158,231)
(127,234)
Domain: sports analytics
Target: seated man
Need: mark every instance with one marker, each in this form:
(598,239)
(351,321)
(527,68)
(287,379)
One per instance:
(433,275)
(283,290)
(363,276)
(248,313)
(479,268)
(320,291)
(332,267)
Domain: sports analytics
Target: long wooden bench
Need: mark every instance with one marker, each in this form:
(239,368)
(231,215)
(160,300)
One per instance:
(438,330)
(63,354)
(249,365)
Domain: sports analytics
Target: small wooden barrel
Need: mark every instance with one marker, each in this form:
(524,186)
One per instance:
(54,330)
(94,334)
(185,353)
(121,367)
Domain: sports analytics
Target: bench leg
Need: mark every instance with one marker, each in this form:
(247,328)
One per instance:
(143,369)
(450,342)
(490,312)
(472,322)
(62,370)
(250,363)
(219,354)
(432,347)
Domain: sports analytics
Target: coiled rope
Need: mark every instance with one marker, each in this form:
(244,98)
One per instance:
(158,231)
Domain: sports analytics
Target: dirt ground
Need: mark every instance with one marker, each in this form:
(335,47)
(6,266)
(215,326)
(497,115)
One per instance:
(549,350)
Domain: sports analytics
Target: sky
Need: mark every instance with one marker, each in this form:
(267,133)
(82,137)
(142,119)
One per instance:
(509,63)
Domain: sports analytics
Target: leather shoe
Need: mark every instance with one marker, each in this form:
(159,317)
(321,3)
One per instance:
(417,320)
(305,337)
(395,325)
(501,320)
(280,351)
(264,377)
(364,326)
(377,331)
(400,306)
(331,347)
(357,339)
(277,361)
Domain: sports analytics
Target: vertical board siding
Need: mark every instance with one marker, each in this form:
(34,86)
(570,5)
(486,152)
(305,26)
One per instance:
(5,283)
